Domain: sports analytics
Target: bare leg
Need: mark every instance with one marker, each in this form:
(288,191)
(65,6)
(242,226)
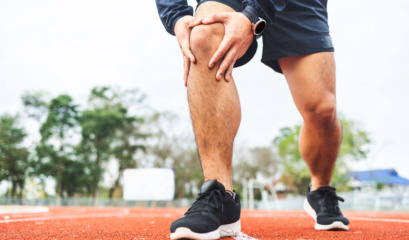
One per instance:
(311,79)
(214,105)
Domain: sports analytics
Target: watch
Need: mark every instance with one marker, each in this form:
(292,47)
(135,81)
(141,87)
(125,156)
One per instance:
(257,23)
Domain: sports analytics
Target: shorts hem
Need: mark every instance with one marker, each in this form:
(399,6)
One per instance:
(272,60)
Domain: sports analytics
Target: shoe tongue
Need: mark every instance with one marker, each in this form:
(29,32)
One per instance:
(211,185)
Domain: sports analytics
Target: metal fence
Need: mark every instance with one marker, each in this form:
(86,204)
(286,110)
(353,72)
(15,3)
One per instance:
(386,200)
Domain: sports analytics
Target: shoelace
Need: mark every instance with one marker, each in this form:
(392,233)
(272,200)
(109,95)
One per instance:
(213,199)
(330,202)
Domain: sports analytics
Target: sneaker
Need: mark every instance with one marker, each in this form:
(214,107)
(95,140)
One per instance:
(322,206)
(214,214)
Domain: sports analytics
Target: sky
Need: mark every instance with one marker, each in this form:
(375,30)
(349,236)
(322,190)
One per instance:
(70,46)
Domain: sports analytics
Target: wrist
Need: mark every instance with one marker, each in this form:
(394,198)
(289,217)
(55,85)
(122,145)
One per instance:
(257,24)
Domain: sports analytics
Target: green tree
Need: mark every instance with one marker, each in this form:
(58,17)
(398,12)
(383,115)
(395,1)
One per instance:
(36,104)
(129,139)
(109,131)
(55,151)
(13,157)
(295,173)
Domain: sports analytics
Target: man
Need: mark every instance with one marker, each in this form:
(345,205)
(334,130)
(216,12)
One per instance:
(296,42)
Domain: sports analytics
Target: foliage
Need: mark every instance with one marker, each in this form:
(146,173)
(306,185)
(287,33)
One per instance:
(13,157)
(55,151)
(109,131)
(36,104)
(170,147)
(295,173)
(254,163)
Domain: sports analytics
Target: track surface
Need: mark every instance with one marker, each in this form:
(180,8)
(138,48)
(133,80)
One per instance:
(131,223)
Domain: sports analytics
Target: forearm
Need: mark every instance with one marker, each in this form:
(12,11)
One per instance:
(172,10)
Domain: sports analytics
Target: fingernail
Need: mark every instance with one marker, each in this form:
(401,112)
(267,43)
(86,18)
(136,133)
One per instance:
(211,65)
(191,59)
(205,20)
(227,77)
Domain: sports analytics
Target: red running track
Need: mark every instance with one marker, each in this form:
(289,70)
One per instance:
(131,223)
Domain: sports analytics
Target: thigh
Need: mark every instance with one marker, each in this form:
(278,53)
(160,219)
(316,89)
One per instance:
(311,79)
(208,7)
(300,29)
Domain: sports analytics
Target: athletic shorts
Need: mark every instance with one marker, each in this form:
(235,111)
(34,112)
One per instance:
(300,29)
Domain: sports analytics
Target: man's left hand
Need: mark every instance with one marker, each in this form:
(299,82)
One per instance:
(237,39)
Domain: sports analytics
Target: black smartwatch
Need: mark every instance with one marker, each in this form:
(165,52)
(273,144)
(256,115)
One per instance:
(257,24)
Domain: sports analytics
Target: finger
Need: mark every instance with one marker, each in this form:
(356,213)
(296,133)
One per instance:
(217,17)
(221,51)
(185,46)
(195,21)
(186,67)
(227,61)
(187,53)
(228,75)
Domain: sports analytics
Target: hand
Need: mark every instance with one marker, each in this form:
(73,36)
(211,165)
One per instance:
(182,32)
(237,39)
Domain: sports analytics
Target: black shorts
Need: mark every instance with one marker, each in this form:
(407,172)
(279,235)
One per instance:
(300,29)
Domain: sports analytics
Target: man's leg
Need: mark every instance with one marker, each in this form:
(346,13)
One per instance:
(214,105)
(311,79)
(215,111)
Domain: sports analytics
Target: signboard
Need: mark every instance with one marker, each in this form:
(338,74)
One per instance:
(149,184)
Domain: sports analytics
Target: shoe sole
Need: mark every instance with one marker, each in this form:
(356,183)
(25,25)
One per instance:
(227,230)
(333,226)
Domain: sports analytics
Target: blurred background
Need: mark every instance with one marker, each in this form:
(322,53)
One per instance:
(91,88)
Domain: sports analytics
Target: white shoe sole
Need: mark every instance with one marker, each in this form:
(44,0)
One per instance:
(334,225)
(228,230)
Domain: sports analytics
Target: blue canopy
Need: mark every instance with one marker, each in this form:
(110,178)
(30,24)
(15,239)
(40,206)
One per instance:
(384,176)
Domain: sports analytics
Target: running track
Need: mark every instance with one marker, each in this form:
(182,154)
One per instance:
(131,223)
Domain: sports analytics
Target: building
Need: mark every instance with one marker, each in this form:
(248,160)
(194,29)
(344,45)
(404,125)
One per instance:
(383,177)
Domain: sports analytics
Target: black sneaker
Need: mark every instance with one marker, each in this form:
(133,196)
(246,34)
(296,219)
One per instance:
(214,214)
(322,205)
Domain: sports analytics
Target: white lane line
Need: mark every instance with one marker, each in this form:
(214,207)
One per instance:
(302,215)
(22,209)
(379,219)
(90,215)
(243,236)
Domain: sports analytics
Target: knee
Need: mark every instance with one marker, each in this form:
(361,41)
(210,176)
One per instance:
(205,39)
(321,111)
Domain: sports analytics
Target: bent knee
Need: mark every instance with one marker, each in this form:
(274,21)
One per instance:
(205,39)
(322,111)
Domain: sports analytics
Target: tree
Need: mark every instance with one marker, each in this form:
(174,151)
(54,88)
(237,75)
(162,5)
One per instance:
(109,131)
(254,163)
(13,157)
(295,173)
(36,104)
(55,151)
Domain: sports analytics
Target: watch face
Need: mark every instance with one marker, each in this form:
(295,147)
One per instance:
(260,26)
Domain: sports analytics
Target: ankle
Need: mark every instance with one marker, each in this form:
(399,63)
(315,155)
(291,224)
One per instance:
(316,185)
(228,186)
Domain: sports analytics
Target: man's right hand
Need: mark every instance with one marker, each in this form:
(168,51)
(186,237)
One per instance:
(182,32)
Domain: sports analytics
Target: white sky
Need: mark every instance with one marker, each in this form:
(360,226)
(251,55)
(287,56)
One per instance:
(70,46)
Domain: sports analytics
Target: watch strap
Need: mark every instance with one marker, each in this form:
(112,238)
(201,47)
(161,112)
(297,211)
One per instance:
(249,13)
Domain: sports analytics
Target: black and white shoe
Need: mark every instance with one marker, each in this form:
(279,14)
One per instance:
(214,214)
(322,206)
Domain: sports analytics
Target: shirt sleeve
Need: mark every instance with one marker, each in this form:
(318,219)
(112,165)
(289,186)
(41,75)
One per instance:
(172,10)
(265,8)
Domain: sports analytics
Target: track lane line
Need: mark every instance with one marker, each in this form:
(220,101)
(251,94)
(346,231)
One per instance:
(243,236)
(91,215)
(379,219)
(302,215)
